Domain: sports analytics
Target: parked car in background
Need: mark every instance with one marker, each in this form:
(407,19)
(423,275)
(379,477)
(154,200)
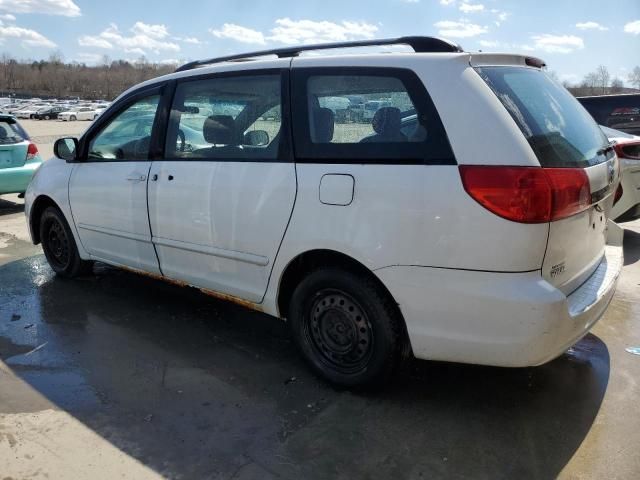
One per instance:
(10,107)
(19,157)
(371,107)
(627,199)
(488,245)
(81,113)
(49,113)
(30,111)
(620,112)
(100,108)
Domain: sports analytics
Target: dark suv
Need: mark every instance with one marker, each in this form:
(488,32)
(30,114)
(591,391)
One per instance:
(48,113)
(621,112)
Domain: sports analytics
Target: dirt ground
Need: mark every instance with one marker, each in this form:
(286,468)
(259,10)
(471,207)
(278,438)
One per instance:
(120,376)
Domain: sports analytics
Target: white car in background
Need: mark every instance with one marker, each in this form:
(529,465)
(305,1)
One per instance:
(627,198)
(489,245)
(82,113)
(100,108)
(31,110)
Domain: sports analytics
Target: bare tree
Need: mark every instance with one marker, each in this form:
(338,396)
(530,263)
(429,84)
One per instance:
(603,76)
(616,85)
(634,77)
(54,77)
(591,80)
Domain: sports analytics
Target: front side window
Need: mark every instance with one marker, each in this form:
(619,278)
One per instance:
(226,118)
(128,135)
(366,115)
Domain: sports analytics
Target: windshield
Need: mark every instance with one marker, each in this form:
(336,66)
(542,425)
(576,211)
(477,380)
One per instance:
(560,131)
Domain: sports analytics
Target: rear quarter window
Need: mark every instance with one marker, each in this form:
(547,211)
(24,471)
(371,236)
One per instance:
(11,133)
(366,115)
(560,131)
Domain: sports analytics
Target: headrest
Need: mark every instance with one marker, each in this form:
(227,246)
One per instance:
(3,133)
(219,130)
(323,121)
(386,121)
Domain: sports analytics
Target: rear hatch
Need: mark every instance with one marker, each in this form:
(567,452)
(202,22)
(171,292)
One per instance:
(14,144)
(571,147)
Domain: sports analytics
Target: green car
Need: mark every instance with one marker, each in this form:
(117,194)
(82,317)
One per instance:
(19,157)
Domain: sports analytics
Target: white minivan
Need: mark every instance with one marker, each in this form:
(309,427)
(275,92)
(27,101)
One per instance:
(468,222)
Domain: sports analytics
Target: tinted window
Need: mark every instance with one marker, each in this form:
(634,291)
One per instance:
(227,118)
(128,135)
(356,115)
(377,118)
(559,130)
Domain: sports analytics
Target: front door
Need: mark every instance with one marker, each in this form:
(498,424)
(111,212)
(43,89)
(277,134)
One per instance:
(108,191)
(220,201)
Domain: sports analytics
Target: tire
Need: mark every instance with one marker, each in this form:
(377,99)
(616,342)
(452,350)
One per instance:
(47,117)
(72,118)
(346,327)
(59,245)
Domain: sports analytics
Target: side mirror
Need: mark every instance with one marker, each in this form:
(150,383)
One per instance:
(66,149)
(256,138)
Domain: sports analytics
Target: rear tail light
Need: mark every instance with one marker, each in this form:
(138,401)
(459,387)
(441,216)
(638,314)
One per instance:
(629,150)
(528,194)
(32,151)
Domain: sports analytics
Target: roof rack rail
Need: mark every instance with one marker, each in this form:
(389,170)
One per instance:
(419,45)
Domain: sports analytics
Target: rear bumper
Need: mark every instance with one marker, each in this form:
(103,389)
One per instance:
(502,319)
(16,180)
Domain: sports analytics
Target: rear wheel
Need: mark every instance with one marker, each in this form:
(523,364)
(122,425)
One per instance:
(59,245)
(346,327)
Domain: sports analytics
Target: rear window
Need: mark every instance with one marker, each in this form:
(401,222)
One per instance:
(11,133)
(560,132)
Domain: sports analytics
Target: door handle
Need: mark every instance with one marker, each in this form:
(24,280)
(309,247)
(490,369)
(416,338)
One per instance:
(137,178)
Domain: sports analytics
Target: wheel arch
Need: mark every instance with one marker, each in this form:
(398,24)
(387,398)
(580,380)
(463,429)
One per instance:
(304,263)
(41,203)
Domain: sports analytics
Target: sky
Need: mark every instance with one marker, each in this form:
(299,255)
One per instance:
(572,36)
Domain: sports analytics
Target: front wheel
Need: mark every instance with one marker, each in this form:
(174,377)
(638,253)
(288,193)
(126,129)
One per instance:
(59,245)
(73,118)
(347,327)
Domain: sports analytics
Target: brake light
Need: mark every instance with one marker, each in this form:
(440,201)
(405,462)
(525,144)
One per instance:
(528,194)
(628,150)
(32,151)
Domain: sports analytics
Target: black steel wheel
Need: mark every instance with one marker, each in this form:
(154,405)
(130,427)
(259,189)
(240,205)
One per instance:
(56,244)
(59,245)
(339,331)
(347,327)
